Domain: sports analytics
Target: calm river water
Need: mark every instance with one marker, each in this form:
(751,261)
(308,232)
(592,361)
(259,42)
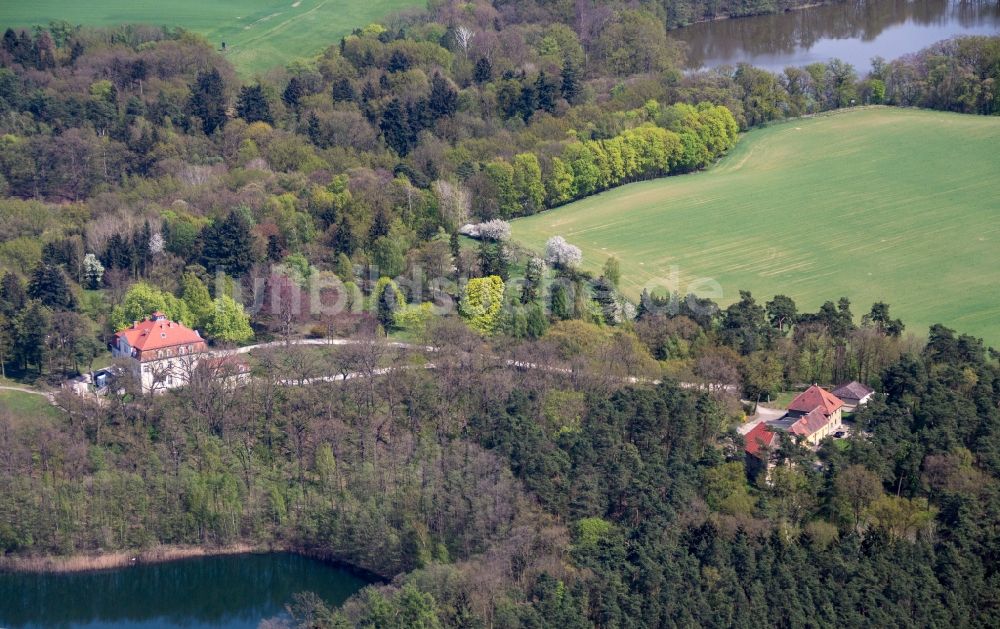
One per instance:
(233,591)
(854,31)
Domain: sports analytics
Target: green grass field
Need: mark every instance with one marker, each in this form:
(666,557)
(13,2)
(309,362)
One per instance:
(877,204)
(27,405)
(259,34)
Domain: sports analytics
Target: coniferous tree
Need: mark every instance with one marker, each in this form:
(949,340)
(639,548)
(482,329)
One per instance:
(12,294)
(140,248)
(315,132)
(444,97)
(493,259)
(10,41)
(395,129)
(252,105)
(293,92)
(570,81)
(228,245)
(118,253)
(274,253)
(208,101)
(418,117)
(50,287)
(528,102)
(483,72)
(31,327)
(398,62)
(388,301)
(561,307)
(343,90)
(546,91)
(536,323)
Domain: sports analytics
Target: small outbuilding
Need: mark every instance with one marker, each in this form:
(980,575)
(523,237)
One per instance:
(758,445)
(854,394)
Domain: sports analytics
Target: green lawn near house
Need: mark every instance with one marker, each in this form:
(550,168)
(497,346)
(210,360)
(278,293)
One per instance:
(27,405)
(876,204)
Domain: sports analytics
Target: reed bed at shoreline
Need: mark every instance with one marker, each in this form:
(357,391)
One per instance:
(121,559)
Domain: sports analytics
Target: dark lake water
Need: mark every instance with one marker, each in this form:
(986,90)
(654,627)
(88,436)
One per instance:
(233,591)
(854,31)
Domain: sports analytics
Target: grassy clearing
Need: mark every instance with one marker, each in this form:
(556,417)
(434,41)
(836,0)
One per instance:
(259,34)
(781,400)
(27,405)
(875,204)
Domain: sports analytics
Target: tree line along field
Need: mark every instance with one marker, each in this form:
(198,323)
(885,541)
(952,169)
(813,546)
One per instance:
(259,34)
(896,205)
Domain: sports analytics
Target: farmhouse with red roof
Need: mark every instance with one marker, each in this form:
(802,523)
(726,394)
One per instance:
(162,353)
(813,415)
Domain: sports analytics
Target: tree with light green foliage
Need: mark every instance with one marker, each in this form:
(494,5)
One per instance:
(500,175)
(589,532)
(196,298)
(417,609)
(528,183)
(229,322)
(413,317)
(559,183)
(142,300)
(586,173)
(388,256)
(726,489)
(482,303)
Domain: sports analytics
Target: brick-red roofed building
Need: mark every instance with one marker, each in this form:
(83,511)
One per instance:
(815,396)
(813,414)
(811,423)
(163,352)
(756,446)
(757,439)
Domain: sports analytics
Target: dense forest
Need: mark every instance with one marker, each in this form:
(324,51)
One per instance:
(536,475)
(505,497)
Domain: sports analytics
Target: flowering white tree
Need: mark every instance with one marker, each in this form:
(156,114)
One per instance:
(496,229)
(93,271)
(560,253)
(156,244)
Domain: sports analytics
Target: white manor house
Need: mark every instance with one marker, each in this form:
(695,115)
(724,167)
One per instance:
(163,353)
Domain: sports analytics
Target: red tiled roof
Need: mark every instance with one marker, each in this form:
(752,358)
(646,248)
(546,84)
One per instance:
(811,422)
(758,438)
(158,332)
(814,396)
